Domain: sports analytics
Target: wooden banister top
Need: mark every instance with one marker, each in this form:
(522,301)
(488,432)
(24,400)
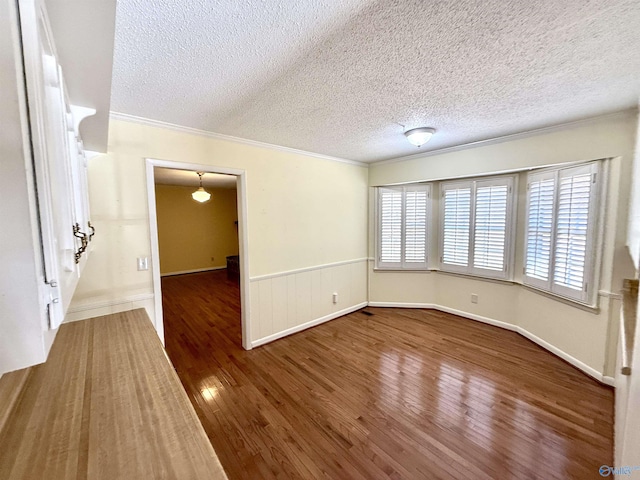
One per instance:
(628,323)
(107,404)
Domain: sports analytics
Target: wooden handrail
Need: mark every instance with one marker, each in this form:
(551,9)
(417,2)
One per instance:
(628,321)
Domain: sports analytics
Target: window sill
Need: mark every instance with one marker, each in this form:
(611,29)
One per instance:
(404,270)
(559,298)
(504,281)
(568,301)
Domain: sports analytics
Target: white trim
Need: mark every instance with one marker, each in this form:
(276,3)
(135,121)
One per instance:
(478,318)
(196,270)
(511,137)
(243,216)
(228,138)
(158,321)
(306,269)
(611,295)
(564,356)
(306,325)
(84,307)
(592,372)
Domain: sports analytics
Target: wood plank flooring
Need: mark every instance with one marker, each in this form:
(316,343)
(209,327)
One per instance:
(400,394)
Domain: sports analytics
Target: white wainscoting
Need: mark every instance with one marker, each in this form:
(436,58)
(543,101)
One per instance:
(288,302)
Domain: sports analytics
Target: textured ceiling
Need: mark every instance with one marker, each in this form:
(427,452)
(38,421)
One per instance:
(173,176)
(341,78)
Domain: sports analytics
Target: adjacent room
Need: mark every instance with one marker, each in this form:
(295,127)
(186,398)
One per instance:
(354,240)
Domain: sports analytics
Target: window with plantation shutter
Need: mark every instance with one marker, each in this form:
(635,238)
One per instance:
(560,234)
(489,245)
(403,216)
(540,194)
(476,226)
(456,225)
(390,226)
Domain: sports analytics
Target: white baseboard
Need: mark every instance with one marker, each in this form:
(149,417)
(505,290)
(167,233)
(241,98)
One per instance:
(592,372)
(196,270)
(109,303)
(87,310)
(304,326)
(477,318)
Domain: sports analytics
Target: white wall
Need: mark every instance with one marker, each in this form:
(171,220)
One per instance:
(633,232)
(586,337)
(303,212)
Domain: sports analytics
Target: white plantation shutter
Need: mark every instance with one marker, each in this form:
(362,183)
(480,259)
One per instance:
(456,224)
(415,251)
(490,228)
(539,231)
(576,188)
(390,208)
(560,236)
(403,216)
(477,226)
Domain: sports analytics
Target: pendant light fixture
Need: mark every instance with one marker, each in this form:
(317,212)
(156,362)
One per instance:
(201,195)
(419,136)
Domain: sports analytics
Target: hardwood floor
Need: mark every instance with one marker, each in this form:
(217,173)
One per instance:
(401,393)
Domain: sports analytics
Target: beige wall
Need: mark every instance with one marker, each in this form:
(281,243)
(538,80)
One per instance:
(589,337)
(193,235)
(303,211)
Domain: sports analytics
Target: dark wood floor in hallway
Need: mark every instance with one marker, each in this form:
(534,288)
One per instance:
(401,393)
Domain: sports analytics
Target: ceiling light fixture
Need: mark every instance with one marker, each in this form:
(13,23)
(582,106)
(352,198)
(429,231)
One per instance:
(201,195)
(419,136)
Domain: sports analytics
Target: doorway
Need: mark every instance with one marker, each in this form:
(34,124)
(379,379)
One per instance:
(184,173)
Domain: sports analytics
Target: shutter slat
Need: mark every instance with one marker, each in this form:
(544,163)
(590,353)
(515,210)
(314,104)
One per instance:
(571,241)
(539,228)
(415,227)
(456,226)
(490,227)
(390,225)
(403,214)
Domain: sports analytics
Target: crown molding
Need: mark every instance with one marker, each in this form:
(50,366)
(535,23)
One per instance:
(510,137)
(228,138)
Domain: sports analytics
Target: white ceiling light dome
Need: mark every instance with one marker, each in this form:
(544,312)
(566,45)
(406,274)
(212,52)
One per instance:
(419,136)
(201,195)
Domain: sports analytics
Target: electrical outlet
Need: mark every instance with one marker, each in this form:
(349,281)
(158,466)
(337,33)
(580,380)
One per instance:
(335,298)
(212,259)
(474,298)
(143,263)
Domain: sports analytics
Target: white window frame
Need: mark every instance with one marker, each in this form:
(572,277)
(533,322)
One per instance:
(585,296)
(403,264)
(510,230)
